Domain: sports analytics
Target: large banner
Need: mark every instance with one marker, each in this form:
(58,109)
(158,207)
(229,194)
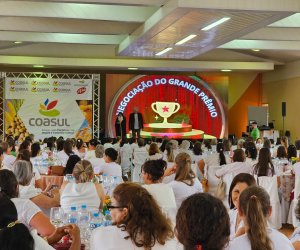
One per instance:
(173,106)
(48,107)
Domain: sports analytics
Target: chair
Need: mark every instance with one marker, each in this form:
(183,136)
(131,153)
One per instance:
(270,185)
(292,217)
(57,170)
(213,181)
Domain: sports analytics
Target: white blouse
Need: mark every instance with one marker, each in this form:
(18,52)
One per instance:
(77,194)
(113,238)
(278,240)
(182,190)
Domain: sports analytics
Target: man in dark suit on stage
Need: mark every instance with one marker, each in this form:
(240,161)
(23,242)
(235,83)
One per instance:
(136,123)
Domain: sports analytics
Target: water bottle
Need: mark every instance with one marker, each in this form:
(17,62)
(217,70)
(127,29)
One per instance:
(73,216)
(83,217)
(83,222)
(108,219)
(96,221)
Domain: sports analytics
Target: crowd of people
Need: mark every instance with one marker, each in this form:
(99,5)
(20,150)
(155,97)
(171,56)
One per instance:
(165,193)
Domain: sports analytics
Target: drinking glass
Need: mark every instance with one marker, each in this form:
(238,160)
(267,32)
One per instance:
(57,216)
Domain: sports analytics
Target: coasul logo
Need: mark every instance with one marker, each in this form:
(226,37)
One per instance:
(47,108)
(81,90)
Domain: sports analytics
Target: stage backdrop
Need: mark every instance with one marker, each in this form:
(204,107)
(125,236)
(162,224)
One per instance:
(193,102)
(48,107)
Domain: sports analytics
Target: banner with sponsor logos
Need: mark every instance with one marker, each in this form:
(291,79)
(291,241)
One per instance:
(48,107)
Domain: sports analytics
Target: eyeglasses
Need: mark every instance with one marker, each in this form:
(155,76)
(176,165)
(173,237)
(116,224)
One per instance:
(110,207)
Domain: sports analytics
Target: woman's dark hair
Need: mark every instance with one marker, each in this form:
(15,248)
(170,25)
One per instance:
(13,235)
(163,145)
(144,216)
(240,178)
(68,147)
(254,203)
(207,144)
(79,143)
(170,152)
(197,150)
(24,145)
(239,155)
(251,150)
(23,154)
(267,143)
(206,230)
(141,142)
(264,164)
(111,153)
(281,152)
(155,169)
(291,151)
(35,149)
(59,144)
(73,159)
(220,150)
(11,143)
(153,149)
(8,183)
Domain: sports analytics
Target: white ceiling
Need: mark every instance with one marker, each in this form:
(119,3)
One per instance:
(117,34)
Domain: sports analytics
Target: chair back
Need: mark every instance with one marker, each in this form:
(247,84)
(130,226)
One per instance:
(270,185)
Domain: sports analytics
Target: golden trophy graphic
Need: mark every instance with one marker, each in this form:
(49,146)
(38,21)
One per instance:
(165,109)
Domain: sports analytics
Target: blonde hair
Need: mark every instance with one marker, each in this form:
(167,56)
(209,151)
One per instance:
(83,171)
(184,172)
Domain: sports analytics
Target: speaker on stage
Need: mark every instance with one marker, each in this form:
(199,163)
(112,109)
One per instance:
(283,109)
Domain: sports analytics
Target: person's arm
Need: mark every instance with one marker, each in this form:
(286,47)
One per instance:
(42,224)
(296,245)
(44,201)
(201,165)
(74,233)
(39,184)
(142,121)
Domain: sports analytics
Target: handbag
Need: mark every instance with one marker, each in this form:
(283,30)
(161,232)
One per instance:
(220,192)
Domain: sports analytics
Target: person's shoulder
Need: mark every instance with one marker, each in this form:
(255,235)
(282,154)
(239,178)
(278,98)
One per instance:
(240,242)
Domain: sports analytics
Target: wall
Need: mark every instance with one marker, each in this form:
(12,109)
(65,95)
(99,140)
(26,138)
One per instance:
(283,85)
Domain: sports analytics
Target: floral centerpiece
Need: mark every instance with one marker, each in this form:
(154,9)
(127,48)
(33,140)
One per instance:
(106,202)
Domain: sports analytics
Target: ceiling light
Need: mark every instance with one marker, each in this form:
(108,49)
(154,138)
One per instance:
(256,50)
(222,20)
(17,42)
(163,51)
(132,68)
(38,66)
(184,40)
(226,70)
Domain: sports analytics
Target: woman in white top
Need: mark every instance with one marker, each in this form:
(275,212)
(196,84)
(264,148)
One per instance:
(45,200)
(83,190)
(64,154)
(98,161)
(36,180)
(239,183)
(153,173)
(126,156)
(255,209)
(185,183)
(154,153)
(15,235)
(238,166)
(140,155)
(202,223)
(264,166)
(251,153)
(28,213)
(138,223)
